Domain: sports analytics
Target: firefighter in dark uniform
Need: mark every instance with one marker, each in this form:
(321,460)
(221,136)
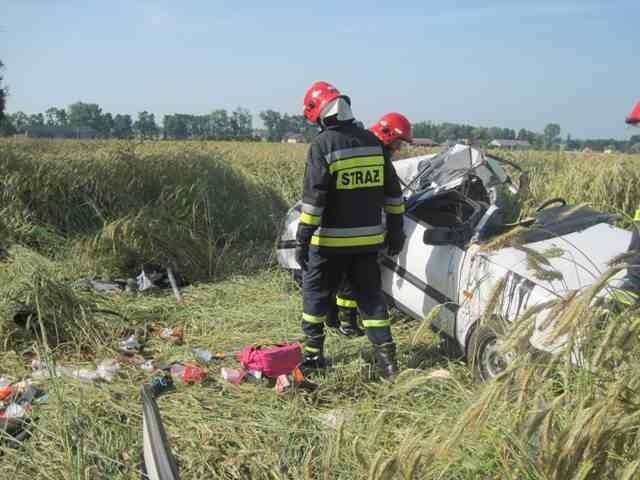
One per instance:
(348,181)
(392,129)
(632,280)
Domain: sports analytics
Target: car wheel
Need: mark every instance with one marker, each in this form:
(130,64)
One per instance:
(484,355)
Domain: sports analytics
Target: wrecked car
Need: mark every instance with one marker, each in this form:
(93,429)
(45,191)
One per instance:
(455,203)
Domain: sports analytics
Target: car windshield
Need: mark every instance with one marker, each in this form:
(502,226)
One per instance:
(447,169)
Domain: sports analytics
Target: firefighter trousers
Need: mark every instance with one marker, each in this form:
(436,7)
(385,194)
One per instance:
(321,280)
(633,272)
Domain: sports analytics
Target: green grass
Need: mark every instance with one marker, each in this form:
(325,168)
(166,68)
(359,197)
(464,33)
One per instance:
(212,210)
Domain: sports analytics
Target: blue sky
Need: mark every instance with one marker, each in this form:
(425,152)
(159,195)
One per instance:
(504,63)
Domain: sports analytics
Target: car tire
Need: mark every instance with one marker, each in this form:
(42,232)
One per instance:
(483,356)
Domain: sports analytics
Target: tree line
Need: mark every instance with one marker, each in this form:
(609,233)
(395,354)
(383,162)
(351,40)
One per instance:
(82,115)
(238,125)
(217,125)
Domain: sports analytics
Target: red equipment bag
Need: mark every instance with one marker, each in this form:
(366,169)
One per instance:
(271,360)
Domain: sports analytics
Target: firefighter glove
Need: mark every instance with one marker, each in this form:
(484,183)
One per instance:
(395,242)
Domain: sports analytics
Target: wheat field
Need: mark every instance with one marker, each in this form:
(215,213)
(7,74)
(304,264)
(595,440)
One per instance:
(212,211)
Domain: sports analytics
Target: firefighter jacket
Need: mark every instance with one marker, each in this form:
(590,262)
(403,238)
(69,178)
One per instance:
(349,180)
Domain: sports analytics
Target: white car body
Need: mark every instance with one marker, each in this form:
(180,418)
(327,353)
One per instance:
(460,275)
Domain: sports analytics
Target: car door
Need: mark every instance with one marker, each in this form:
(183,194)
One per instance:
(423,276)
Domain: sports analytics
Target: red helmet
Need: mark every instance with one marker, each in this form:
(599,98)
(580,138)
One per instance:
(391,127)
(634,116)
(317,96)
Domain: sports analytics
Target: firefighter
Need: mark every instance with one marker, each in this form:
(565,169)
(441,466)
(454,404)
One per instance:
(392,129)
(348,181)
(632,279)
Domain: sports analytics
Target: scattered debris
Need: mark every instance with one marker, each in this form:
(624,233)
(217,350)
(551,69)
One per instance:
(155,277)
(6,391)
(202,354)
(282,383)
(206,356)
(106,370)
(148,366)
(233,376)
(174,334)
(150,278)
(161,383)
(131,345)
(13,410)
(16,405)
(100,285)
(334,418)
(135,359)
(187,373)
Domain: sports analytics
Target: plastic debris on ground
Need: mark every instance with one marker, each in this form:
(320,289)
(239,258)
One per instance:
(130,345)
(13,410)
(132,359)
(16,405)
(99,285)
(106,371)
(7,391)
(187,373)
(161,383)
(282,383)
(206,356)
(148,366)
(232,375)
(334,418)
(174,334)
(155,277)
(202,354)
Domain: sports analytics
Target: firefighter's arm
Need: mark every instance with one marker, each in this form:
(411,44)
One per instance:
(393,200)
(393,207)
(314,195)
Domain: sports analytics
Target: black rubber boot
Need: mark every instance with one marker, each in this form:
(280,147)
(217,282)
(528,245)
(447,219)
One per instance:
(313,354)
(385,358)
(349,323)
(313,361)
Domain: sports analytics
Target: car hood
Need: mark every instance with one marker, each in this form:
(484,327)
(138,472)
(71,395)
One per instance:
(567,262)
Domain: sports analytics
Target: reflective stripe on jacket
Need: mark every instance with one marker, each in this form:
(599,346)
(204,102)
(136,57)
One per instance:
(349,180)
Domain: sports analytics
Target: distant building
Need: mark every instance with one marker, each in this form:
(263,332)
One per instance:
(294,138)
(425,142)
(260,134)
(61,132)
(510,144)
